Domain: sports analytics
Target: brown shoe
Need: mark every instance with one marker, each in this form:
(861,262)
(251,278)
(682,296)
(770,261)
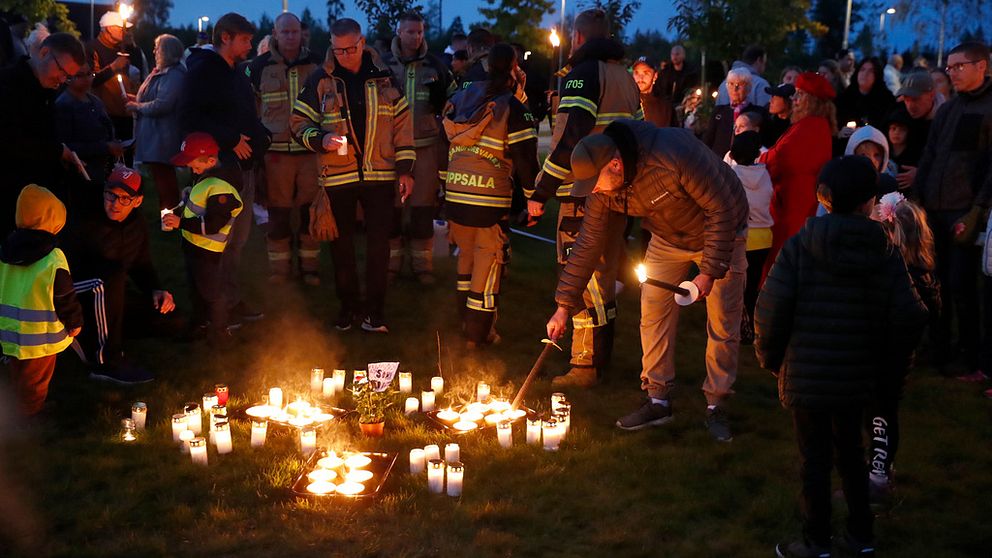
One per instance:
(577,377)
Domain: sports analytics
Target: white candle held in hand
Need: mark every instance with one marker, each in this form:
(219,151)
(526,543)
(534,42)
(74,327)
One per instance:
(435,476)
(456,474)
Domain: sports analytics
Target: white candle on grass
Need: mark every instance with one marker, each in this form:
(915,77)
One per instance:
(139,412)
(328,387)
(198,451)
(534,430)
(275,398)
(406,382)
(194,418)
(339,376)
(456,475)
(178,425)
(452,453)
(316,380)
(258,431)
(417,461)
(504,433)
(412,405)
(435,476)
(437,385)
(308,440)
(432,451)
(552,435)
(427,401)
(222,437)
(184,437)
(482,391)
(557,399)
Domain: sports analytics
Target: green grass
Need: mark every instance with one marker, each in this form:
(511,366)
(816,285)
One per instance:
(670,491)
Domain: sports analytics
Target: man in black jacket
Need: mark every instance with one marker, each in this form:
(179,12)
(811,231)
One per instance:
(104,250)
(34,153)
(838,310)
(218,99)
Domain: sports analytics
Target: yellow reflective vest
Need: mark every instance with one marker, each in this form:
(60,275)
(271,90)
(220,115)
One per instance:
(29,326)
(196,206)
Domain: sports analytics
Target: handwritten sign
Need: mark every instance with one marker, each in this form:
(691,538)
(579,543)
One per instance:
(381,374)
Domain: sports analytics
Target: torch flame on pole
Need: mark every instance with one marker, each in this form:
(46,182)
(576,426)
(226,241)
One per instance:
(554,38)
(125,10)
(642,273)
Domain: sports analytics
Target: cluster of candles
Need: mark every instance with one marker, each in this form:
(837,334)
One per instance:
(188,425)
(342,474)
(547,431)
(429,458)
(298,414)
(427,398)
(484,411)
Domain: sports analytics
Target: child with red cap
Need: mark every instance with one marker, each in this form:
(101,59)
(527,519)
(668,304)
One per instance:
(209,210)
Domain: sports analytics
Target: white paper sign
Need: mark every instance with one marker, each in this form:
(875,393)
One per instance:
(381,374)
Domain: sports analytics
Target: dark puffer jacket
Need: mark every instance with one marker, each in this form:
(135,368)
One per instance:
(684,192)
(837,312)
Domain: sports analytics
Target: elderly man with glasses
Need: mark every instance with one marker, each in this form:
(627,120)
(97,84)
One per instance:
(720,133)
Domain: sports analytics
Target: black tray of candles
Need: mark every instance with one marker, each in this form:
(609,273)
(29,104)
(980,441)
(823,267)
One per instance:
(356,475)
(296,415)
(476,416)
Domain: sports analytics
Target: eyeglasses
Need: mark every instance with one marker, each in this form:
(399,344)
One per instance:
(736,85)
(347,50)
(66,75)
(123,200)
(954,68)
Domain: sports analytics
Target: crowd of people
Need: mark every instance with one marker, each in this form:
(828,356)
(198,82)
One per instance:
(830,218)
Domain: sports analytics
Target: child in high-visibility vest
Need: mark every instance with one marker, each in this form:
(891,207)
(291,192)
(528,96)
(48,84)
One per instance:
(210,208)
(39,313)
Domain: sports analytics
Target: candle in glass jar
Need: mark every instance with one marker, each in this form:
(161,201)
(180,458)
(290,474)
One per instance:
(406,382)
(339,376)
(504,433)
(258,430)
(275,398)
(128,430)
(452,453)
(209,400)
(557,399)
(222,394)
(327,385)
(437,385)
(432,451)
(308,440)
(417,461)
(564,416)
(194,418)
(222,437)
(184,437)
(198,451)
(551,433)
(435,476)
(427,401)
(178,425)
(412,405)
(456,474)
(533,430)
(139,412)
(316,380)
(481,391)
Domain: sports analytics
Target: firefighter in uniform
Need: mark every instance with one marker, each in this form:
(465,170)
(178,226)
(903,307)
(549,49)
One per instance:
(493,142)
(352,115)
(291,169)
(425,81)
(596,90)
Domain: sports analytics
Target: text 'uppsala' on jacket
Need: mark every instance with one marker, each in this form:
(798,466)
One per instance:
(597,90)
(277,82)
(322,108)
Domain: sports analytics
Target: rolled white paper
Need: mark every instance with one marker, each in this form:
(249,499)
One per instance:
(682,300)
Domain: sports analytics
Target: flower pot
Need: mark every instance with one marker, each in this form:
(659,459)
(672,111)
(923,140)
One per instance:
(373,430)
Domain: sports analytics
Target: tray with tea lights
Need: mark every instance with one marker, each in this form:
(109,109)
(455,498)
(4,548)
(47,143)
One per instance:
(295,415)
(476,416)
(329,474)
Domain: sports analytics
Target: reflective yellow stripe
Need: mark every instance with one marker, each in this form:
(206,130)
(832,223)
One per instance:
(491,143)
(305,110)
(579,322)
(406,154)
(475,304)
(578,102)
(309,253)
(308,135)
(371,121)
(522,135)
(554,170)
(331,119)
(411,85)
(463,285)
(380,175)
(274,97)
(422,96)
(606,118)
(489,298)
(477,200)
(195,206)
(338,180)
(639,115)
(294,83)
(399,106)
(564,190)
(597,301)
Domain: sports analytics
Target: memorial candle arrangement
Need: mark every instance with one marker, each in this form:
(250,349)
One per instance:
(477,415)
(198,451)
(316,380)
(298,414)
(352,474)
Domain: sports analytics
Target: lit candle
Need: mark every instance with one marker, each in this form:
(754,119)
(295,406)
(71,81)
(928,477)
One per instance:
(209,400)
(504,433)
(258,430)
(417,461)
(432,451)
(139,412)
(452,453)
(534,430)
(406,382)
(552,435)
(358,475)
(120,81)
(456,473)
(332,461)
(316,379)
(178,425)
(217,414)
(350,488)
(194,418)
(324,475)
(465,426)
(184,437)
(500,405)
(427,401)
(412,405)
(448,415)
(435,476)
(275,398)
(437,385)
(222,394)
(471,416)
(852,124)
(327,387)
(198,451)
(564,416)
(321,487)
(128,431)
(339,376)
(481,391)
(557,399)
(357,461)
(308,440)
(222,437)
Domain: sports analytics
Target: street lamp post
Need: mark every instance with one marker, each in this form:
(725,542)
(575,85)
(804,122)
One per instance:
(881,25)
(199,23)
(847,24)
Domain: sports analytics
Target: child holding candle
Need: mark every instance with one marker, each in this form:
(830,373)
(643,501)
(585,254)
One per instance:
(41,314)
(210,209)
(840,275)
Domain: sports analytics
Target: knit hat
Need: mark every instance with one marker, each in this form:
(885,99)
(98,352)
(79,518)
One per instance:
(126,179)
(815,85)
(851,181)
(38,209)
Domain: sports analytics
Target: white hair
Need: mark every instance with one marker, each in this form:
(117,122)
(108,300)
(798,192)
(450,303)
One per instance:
(740,74)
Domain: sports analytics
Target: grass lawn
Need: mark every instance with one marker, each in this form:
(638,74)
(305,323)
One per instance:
(669,491)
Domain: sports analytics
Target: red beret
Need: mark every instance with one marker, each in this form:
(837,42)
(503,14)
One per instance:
(816,85)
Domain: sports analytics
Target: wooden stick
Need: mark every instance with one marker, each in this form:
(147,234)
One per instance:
(667,286)
(533,373)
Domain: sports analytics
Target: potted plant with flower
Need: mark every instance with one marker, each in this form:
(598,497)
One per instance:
(371,404)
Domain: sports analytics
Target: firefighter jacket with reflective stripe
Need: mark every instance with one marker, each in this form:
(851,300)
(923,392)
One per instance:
(195,207)
(426,83)
(492,139)
(29,326)
(323,108)
(597,90)
(277,83)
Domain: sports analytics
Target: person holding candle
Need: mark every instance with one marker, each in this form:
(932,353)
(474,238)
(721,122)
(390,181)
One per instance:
(696,210)
(110,71)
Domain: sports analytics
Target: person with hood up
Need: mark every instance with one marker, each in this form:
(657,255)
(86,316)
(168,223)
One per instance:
(871,143)
(837,312)
(39,313)
(597,89)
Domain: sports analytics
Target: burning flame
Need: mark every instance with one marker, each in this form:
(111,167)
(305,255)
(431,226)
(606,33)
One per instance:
(714,94)
(642,273)
(554,38)
(699,92)
(126,10)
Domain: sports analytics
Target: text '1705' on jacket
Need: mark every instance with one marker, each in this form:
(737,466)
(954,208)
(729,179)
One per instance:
(323,108)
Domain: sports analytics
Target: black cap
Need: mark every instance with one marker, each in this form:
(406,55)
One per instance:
(851,180)
(786,90)
(648,60)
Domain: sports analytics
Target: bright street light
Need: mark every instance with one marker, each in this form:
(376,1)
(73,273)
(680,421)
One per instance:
(199,23)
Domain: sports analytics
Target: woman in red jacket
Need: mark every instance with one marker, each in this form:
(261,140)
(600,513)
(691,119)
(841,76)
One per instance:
(797,157)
